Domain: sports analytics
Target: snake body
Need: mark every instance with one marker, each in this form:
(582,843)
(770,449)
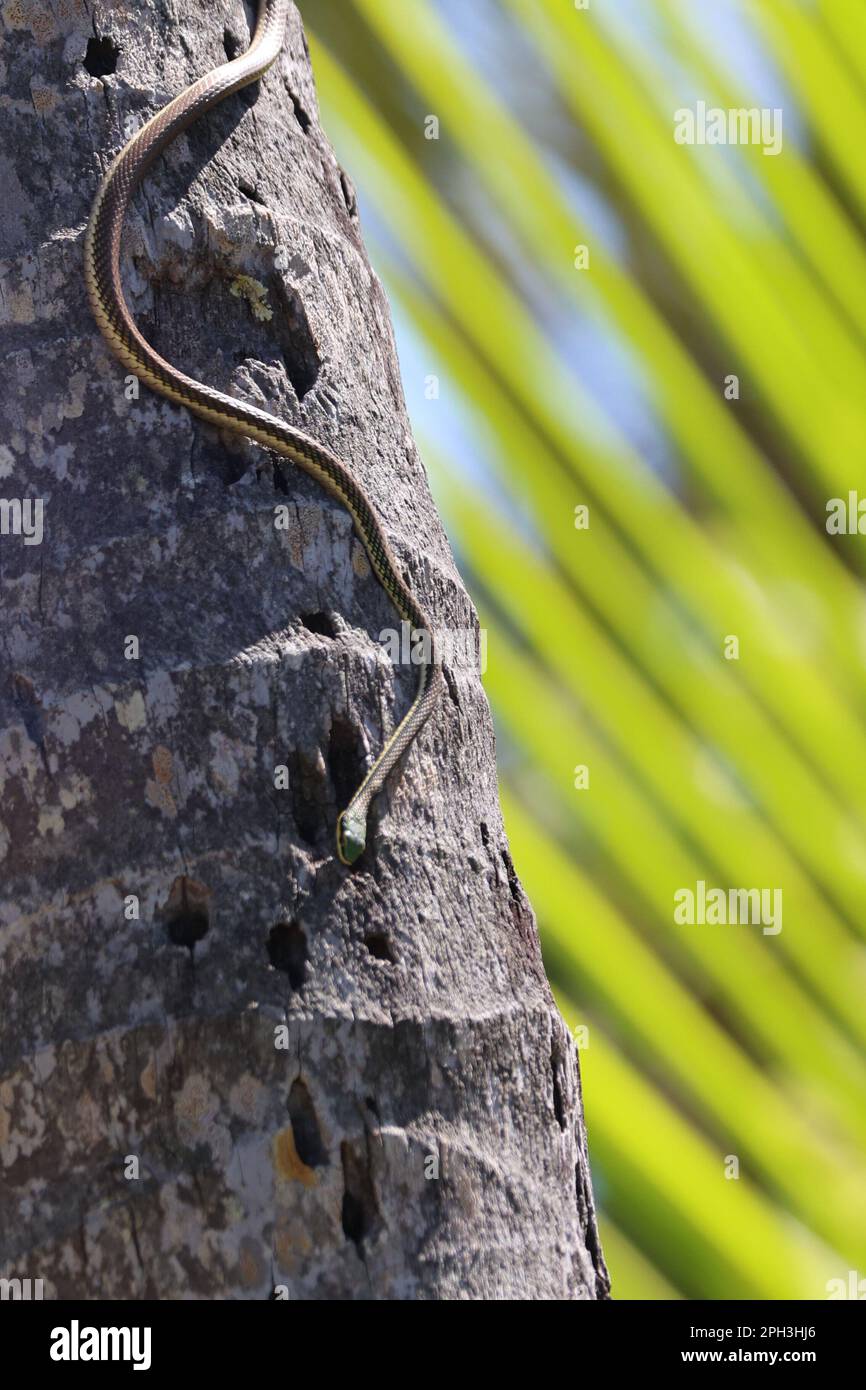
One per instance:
(105,291)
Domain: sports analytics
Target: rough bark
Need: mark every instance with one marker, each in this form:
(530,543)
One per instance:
(419,1027)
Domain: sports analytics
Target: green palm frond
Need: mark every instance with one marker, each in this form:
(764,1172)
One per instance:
(606,643)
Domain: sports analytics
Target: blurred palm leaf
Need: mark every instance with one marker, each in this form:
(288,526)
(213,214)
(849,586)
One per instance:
(706,519)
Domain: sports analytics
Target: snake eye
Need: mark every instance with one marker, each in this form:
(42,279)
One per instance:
(351,837)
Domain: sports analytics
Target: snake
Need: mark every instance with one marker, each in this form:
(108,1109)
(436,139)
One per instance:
(102,247)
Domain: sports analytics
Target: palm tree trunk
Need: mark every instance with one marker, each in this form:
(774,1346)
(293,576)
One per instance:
(230,1066)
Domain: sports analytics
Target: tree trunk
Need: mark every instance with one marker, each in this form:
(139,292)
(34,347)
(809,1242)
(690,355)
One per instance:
(230,1065)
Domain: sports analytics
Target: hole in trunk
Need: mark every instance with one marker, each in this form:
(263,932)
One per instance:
(305,1127)
(301,116)
(294,337)
(100,60)
(319,623)
(379,946)
(309,809)
(187,912)
(359,1200)
(559,1107)
(251,192)
(513,881)
(232,45)
(346,764)
(287,951)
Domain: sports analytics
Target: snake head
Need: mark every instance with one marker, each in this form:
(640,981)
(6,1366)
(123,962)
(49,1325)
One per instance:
(351,836)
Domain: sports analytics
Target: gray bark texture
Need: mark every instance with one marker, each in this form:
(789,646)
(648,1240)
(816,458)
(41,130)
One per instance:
(280,1078)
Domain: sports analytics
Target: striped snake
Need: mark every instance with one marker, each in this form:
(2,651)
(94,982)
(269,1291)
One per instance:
(105,291)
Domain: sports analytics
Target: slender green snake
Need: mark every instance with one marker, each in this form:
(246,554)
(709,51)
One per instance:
(105,291)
